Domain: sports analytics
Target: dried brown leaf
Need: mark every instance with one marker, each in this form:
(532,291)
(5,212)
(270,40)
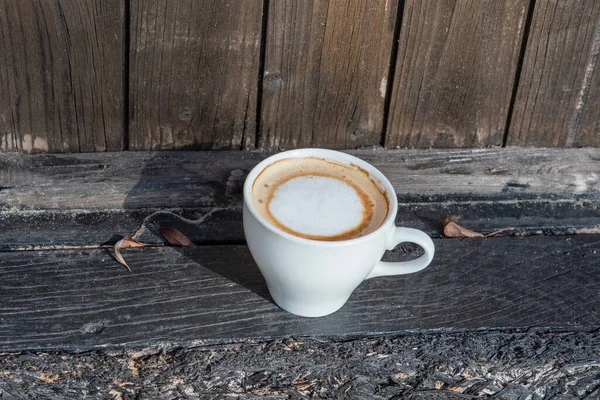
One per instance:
(128,241)
(174,236)
(450,218)
(124,243)
(453,230)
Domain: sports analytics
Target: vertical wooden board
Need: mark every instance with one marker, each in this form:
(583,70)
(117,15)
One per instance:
(455,72)
(326,71)
(61,75)
(558,98)
(194,74)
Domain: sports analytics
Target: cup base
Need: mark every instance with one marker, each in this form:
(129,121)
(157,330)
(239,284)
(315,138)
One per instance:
(307,309)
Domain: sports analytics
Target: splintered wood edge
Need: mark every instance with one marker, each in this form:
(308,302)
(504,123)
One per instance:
(434,365)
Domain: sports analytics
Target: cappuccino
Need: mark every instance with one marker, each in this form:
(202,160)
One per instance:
(319,199)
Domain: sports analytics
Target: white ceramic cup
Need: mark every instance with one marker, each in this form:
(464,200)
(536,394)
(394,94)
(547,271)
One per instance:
(313,278)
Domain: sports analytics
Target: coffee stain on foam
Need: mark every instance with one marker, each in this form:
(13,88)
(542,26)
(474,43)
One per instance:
(354,232)
(368,205)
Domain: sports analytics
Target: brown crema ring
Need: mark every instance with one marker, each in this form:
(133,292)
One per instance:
(367,215)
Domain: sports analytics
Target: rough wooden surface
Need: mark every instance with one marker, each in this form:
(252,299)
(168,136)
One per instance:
(52,229)
(61,75)
(326,73)
(83,299)
(91,199)
(559,90)
(206,179)
(455,73)
(194,74)
(507,318)
(499,365)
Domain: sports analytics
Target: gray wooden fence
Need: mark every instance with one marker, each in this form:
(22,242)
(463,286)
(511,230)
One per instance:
(110,75)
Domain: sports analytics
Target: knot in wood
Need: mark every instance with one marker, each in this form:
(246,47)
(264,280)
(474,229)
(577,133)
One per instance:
(272,81)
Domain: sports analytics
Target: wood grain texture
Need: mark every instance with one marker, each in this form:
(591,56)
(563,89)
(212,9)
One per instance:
(84,299)
(212,179)
(55,229)
(455,72)
(194,74)
(91,199)
(434,366)
(326,71)
(559,90)
(61,75)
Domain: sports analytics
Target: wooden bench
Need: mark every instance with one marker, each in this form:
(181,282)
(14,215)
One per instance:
(516,314)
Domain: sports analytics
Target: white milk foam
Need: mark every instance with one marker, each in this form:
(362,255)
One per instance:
(319,199)
(317,205)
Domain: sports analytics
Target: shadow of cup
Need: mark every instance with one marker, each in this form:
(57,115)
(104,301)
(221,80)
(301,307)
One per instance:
(201,199)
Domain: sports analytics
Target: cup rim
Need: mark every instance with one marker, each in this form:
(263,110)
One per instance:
(333,155)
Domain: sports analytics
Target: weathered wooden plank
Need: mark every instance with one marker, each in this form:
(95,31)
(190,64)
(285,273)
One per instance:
(122,180)
(84,299)
(91,199)
(194,74)
(466,365)
(455,72)
(55,229)
(61,75)
(559,90)
(326,71)
(212,179)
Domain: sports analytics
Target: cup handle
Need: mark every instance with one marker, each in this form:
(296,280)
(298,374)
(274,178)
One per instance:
(402,235)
